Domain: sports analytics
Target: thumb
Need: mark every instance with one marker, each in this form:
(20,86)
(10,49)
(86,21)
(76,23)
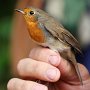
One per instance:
(68,72)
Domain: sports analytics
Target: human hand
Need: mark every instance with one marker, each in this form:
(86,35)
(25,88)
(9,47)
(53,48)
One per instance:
(47,65)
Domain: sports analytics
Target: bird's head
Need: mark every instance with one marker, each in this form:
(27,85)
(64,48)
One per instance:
(32,14)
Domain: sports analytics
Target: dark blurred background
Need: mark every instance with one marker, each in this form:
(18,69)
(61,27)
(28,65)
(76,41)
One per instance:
(6,12)
(73,14)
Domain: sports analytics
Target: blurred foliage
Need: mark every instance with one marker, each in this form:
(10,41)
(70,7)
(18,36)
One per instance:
(5,25)
(6,7)
(73,12)
(6,12)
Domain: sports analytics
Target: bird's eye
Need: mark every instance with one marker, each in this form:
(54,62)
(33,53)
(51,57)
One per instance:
(31,12)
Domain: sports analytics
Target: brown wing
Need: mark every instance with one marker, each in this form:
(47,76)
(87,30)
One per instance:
(69,38)
(58,31)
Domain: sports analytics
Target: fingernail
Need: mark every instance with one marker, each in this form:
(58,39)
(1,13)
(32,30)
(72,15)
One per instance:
(39,87)
(54,60)
(51,74)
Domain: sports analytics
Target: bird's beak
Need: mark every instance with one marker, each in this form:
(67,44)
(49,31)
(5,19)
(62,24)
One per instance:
(18,10)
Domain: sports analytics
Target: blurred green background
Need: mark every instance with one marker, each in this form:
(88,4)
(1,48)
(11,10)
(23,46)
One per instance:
(6,12)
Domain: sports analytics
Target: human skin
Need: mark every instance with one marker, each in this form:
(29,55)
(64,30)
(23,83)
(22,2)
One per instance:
(47,65)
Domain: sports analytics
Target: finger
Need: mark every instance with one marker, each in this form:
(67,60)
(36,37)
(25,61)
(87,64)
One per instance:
(45,55)
(68,71)
(66,68)
(39,70)
(18,84)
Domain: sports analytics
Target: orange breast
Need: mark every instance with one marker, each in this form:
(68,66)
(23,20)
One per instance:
(35,32)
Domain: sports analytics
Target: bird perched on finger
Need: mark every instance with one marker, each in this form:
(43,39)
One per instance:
(46,31)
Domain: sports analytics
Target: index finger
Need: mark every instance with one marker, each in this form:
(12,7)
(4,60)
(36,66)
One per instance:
(45,55)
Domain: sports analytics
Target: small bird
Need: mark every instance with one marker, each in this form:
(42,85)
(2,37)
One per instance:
(46,31)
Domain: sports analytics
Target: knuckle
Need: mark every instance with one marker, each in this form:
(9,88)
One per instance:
(35,67)
(21,66)
(34,51)
(10,84)
(16,84)
(25,86)
(28,67)
(37,52)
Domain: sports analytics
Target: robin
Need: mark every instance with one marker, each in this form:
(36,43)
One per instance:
(46,31)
